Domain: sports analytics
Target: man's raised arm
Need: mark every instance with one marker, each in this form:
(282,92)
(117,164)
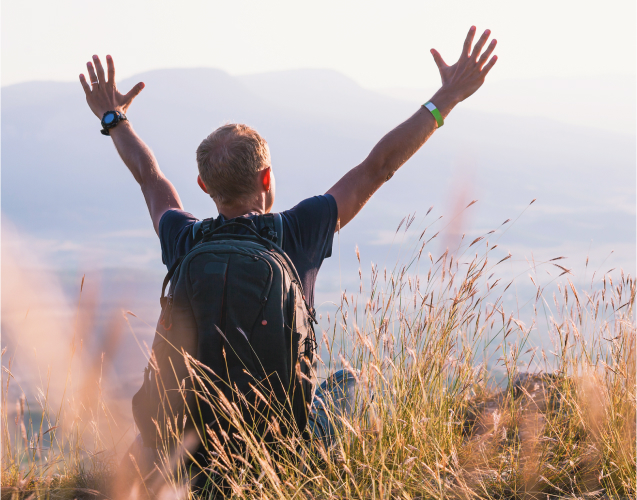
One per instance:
(459,81)
(103,96)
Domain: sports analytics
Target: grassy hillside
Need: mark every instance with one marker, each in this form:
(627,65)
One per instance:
(453,400)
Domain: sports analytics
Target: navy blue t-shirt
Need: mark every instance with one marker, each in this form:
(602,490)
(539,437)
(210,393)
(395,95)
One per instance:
(308,232)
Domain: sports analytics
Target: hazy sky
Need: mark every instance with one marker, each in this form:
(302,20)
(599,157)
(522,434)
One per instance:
(379,44)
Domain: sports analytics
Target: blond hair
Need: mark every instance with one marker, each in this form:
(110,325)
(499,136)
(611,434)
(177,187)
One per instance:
(229,160)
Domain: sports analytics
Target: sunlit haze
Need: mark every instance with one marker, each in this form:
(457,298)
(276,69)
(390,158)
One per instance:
(378,44)
(451,285)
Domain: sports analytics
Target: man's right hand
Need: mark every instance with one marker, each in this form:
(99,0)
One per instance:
(102,95)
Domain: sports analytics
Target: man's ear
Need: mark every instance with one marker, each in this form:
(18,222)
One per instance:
(266,180)
(202,185)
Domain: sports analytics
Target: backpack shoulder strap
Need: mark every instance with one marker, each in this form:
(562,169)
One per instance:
(196,231)
(278,228)
(270,226)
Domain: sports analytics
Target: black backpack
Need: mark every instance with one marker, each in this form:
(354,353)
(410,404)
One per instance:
(236,305)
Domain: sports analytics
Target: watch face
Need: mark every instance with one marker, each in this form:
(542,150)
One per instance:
(109,118)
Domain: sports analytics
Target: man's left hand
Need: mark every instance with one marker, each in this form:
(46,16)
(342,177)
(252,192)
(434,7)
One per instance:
(467,75)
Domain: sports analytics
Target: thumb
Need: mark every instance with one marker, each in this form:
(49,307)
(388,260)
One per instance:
(438,58)
(134,92)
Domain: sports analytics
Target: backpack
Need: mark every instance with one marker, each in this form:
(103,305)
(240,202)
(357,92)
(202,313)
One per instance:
(235,304)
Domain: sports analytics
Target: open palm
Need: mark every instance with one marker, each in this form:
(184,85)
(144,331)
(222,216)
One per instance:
(102,95)
(467,75)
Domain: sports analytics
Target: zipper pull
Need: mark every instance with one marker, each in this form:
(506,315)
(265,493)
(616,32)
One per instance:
(165,319)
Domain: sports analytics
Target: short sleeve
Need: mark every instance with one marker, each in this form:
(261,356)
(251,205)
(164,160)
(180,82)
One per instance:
(312,224)
(175,235)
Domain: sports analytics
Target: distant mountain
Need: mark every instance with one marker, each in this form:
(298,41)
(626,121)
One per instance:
(601,102)
(62,181)
(79,210)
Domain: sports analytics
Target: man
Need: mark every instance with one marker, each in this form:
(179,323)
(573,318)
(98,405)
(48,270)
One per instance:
(236,171)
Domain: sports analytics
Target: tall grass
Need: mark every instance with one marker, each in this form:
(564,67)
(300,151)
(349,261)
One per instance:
(454,399)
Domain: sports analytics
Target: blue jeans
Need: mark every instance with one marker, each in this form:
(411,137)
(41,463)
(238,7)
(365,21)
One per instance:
(333,399)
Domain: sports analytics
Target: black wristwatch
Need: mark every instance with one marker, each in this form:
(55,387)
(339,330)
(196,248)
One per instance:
(110,120)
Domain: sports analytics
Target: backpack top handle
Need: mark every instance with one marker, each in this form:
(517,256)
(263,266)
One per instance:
(208,231)
(269,223)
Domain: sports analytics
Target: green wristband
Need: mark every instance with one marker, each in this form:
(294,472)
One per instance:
(434,111)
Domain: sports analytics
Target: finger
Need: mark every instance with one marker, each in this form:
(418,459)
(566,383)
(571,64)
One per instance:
(111,70)
(489,65)
(100,69)
(134,92)
(438,58)
(91,73)
(87,89)
(478,46)
(487,53)
(466,50)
